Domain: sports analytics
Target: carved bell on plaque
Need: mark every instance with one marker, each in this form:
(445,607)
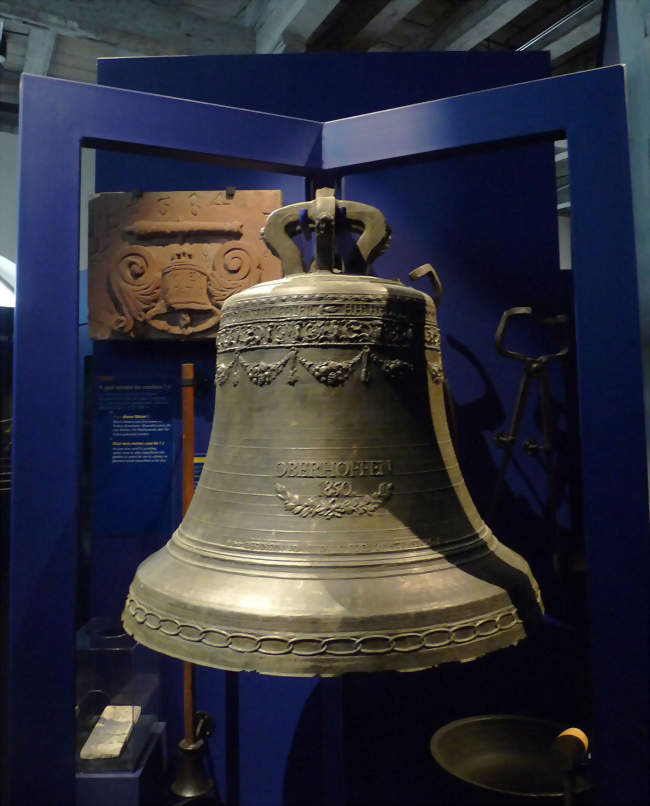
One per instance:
(331,530)
(185,284)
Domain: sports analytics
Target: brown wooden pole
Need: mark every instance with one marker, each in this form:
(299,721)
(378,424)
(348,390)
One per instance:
(189,708)
(187,419)
(187,380)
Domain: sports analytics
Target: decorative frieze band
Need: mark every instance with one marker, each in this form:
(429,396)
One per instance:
(330,372)
(322,333)
(423,638)
(322,321)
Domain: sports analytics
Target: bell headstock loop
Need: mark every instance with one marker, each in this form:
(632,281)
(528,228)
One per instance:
(427,270)
(325,216)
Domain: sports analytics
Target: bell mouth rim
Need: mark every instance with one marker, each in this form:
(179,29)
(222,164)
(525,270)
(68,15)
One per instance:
(334,664)
(296,646)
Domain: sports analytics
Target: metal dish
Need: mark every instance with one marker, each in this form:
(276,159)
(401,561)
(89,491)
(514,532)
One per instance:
(504,753)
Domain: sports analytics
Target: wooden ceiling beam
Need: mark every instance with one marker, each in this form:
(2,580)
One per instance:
(382,24)
(467,24)
(288,26)
(9,87)
(143,28)
(38,55)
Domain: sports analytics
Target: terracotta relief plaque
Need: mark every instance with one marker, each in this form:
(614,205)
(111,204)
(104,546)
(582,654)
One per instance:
(161,264)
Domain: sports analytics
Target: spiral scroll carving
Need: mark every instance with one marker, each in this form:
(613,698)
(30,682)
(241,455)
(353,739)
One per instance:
(135,287)
(236,266)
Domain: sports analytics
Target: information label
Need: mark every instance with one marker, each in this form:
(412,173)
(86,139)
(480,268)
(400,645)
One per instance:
(140,427)
(134,454)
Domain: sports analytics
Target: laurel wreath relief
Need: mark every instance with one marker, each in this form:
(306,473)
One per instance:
(325,507)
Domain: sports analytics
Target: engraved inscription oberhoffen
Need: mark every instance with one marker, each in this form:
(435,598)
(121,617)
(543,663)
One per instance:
(314,469)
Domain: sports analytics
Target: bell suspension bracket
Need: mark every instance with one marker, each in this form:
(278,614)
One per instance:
(324,216)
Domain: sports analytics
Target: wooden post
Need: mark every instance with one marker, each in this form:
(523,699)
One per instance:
(187,419)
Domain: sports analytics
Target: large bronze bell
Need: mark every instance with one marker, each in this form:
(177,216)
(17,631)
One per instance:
(331,530)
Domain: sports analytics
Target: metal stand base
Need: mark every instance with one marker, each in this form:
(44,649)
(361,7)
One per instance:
(191,780)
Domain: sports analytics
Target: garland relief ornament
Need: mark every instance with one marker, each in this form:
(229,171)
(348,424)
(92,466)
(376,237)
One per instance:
(331,530)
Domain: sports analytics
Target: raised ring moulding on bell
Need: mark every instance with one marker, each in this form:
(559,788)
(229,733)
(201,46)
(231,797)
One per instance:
(161,264)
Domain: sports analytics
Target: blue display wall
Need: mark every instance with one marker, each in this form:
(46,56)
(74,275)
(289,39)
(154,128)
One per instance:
(485,218)
(480,218)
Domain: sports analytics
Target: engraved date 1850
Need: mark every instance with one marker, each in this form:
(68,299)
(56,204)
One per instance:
(334,489)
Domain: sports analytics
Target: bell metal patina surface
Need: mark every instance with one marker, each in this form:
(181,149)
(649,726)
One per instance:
(331,530)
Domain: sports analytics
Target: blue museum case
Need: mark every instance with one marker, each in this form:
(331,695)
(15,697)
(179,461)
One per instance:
(466,183)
